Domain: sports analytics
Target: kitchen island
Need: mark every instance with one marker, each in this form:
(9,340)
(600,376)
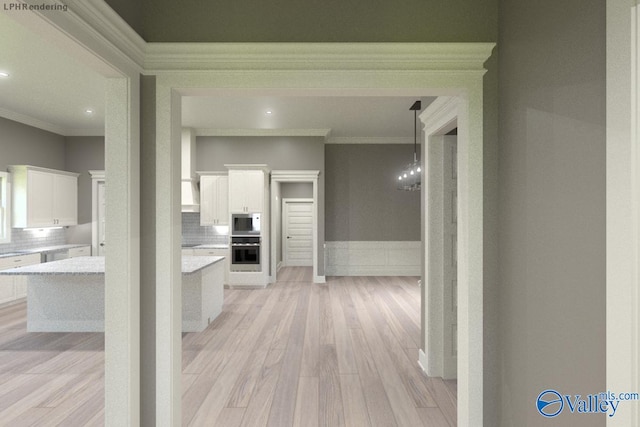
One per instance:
(68,295)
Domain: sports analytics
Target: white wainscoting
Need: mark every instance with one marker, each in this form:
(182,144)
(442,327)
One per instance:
(358,258)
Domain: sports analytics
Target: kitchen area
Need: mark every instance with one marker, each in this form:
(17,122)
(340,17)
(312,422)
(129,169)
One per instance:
(60,282)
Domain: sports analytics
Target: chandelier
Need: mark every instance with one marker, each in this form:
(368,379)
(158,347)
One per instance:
(410,178)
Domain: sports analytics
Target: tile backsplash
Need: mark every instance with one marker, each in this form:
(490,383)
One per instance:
(33,238)
(195,234)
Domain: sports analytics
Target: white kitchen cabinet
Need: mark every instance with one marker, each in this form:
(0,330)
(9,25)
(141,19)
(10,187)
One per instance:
(80,251)
(214,199)
(15,287)
(246,191)
(43,197)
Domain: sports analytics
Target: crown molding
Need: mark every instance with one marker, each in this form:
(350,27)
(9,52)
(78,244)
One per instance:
(84,132)
(369,140)
(108,26)
(31,121)
(461,57)
(46,126)
(263,132)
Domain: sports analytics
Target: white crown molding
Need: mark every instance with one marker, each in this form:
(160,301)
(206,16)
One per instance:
(46,126)
(30,121)
(459,57)
(105,22)
(84,132)
(369,140)
(263,132)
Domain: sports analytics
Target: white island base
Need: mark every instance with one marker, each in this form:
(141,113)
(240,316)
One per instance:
(68,295)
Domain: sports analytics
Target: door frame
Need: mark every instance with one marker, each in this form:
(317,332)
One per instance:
(305,176)
(623,204)
(450,70)
(314,225)
(97,177)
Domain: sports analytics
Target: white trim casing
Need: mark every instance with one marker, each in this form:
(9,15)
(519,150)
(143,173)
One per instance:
(438,118)
(97,176)
(279,176)
(373,258)
(623,200)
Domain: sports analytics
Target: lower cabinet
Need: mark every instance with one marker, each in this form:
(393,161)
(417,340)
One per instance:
(215,252)
(13,288)
(80,251)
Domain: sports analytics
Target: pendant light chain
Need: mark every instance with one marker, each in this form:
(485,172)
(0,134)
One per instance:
(410,178)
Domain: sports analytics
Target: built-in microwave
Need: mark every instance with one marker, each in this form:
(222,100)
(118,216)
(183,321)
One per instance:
(245,224)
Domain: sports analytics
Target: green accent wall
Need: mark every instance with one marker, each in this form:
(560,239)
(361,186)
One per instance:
(312,20)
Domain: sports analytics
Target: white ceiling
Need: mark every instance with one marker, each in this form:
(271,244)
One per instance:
(47,88)
(361,116)
(50,89)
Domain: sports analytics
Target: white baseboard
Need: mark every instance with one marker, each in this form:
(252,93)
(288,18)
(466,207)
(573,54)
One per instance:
(356,258)
(319,279)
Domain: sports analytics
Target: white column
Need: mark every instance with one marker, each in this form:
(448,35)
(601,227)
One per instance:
(122,290)
(168,269)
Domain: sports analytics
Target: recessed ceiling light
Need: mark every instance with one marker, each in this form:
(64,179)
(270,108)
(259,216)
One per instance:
(4,74)
(88,111)
(268,112)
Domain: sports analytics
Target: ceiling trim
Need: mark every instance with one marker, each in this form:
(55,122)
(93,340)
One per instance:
(459,57)
(263,132)
(49,127)
(99,19)
(31,121)
(369,140)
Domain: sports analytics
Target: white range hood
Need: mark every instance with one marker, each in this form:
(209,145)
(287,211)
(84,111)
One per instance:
(190,192)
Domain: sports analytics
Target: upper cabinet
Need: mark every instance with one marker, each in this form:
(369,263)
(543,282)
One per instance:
(43,197)
(246,190)
(214,199)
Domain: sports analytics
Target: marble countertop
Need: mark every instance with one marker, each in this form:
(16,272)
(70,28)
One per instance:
(211,246)
(43,249)
(95,265)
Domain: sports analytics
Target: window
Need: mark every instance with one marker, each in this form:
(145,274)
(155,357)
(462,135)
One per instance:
(5,208)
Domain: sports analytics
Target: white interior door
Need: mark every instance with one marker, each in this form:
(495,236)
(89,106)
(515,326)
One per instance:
(101,219)
(297,232)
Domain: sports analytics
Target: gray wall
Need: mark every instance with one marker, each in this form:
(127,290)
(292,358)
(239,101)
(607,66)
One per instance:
(297,190)
(21,144)
(148,251)
(82,154)
(25,145)
(279,153)
(331,20)
(551,205)
(362,202)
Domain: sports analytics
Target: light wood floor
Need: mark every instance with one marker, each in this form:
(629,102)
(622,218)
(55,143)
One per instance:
(295,354)
(299,354)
